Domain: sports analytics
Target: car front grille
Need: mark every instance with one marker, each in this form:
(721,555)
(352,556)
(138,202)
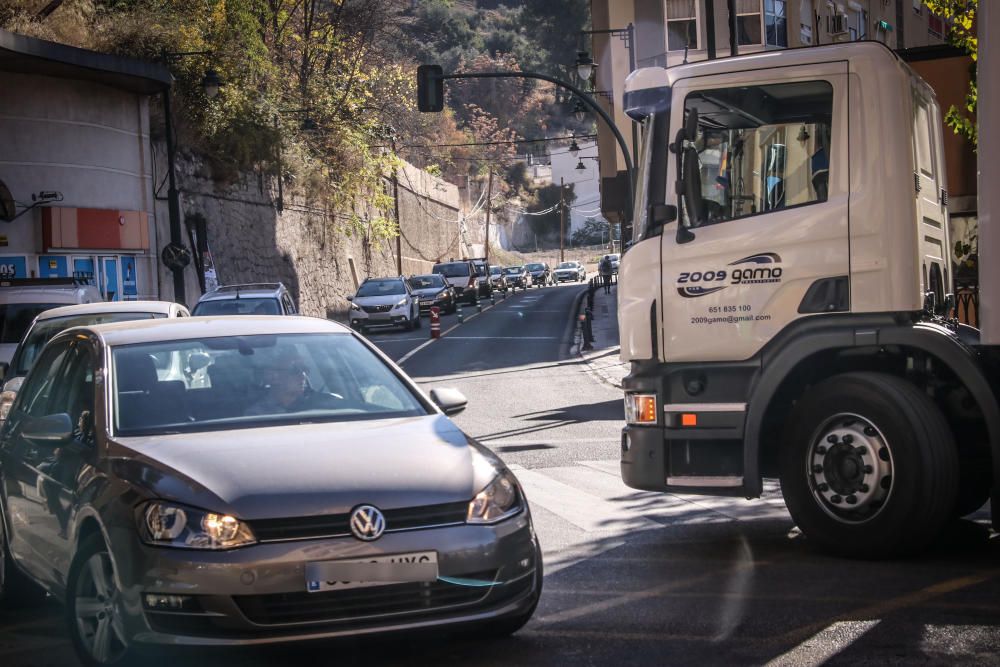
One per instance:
(377,309)
(357,603)
(338,525)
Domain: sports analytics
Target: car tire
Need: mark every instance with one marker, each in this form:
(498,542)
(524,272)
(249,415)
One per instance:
(98,635)
(868,466)
(417,323)
(17,590)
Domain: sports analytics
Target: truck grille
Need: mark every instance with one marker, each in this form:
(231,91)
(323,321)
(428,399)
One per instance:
(357,603)
(338,525)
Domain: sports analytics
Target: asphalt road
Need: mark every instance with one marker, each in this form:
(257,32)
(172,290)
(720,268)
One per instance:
(638,578)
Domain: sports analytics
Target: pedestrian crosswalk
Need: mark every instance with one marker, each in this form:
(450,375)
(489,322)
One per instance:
(584,509)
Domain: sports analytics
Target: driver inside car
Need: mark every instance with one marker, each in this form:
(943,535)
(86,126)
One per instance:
(286,388)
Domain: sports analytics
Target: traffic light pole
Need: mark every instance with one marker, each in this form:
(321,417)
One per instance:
(583,96)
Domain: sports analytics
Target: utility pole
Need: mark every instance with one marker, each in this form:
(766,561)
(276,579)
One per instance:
(395,202)
(562,221)
(489,198)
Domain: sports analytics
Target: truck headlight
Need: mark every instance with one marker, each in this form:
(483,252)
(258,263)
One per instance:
(165,524)
(640,409)
(501,499)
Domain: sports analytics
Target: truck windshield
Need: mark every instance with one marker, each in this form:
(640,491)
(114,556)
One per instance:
(651,178)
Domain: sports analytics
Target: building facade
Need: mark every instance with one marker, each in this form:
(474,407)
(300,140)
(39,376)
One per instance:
(75,157)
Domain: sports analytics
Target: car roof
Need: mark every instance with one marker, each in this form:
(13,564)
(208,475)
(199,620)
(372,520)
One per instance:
(181,328)
(99,307)
(249,290)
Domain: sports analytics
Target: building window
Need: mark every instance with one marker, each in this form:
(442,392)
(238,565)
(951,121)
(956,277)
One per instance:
(748,23)
(776,22)
(935,26)
(682,25)
(857,21)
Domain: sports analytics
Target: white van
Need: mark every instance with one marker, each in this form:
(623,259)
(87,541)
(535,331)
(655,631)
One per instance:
(22,300)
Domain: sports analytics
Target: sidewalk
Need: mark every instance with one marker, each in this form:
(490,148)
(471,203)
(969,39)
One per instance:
(603,361)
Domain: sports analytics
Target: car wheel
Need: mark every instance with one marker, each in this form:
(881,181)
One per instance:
(869,467)
(417,323)
(94,608)
(16,589)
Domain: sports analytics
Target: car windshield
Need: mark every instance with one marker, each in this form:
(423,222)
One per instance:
(535,267)
(480,269)
(495,270)
(452,270)
(381,288)
(513,270)
(15,318)
(42,332)
(240,306)
(567,265)
(238,382)
(424,282)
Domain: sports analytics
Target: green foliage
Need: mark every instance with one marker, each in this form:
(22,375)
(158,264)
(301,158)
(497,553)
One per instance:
(961,15)
(593,232)
(546,226)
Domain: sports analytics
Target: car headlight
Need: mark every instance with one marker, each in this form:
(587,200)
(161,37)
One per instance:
(401,303)
(356,307)
(501,499)
(167,525)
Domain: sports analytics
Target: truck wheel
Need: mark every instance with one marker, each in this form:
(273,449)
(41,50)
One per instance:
(869,467)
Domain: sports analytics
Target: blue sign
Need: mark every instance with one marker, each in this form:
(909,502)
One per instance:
(53,266)
(13,267)
(129,284)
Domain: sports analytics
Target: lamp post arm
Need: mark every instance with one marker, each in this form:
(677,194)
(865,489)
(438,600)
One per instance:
(585,98)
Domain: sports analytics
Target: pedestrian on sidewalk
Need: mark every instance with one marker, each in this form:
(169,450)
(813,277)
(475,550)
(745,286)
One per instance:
(604,268)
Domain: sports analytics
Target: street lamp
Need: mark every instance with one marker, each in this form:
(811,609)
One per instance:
(574,148)
(579,110)
(175,255)
(585,66)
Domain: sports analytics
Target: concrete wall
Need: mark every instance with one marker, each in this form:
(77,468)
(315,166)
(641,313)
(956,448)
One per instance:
(315,251)
(87,141)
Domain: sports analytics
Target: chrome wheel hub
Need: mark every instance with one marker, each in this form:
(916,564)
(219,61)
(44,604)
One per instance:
(97,608)
(849,467)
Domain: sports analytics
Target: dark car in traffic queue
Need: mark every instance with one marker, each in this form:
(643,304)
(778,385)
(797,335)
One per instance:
(432,290)
(462,276)
(517,276)
(235,504)
(540,274)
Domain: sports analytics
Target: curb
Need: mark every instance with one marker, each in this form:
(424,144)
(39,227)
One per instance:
(576,349)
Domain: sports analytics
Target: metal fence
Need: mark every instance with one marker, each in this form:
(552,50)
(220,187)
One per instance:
(967,304)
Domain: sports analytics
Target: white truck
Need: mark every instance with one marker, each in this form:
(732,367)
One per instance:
(784,304)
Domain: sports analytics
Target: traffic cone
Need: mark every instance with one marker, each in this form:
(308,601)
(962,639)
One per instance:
(435,322)
(458,312)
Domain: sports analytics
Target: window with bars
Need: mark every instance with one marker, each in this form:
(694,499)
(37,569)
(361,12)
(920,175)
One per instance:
(682,25)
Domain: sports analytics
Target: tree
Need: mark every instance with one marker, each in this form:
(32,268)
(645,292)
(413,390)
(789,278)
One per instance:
(961,17)
(544,203)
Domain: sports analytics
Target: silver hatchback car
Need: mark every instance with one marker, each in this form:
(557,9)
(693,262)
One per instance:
(238,480)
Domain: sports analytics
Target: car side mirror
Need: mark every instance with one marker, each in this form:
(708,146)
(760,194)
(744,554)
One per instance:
(50,429)
(450,400)
(350,298)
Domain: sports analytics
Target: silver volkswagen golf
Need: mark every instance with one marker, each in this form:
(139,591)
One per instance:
(245,480)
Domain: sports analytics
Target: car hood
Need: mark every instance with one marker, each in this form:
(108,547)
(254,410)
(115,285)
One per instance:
(309,470)
(384,300)
(429,291)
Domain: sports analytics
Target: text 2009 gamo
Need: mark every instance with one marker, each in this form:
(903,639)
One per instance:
(736,276)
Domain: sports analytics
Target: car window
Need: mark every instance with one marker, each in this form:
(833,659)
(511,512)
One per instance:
(452,269)
(42,383)
(75,395)
(535,267)
(43,331)
(424,282)
(566,265)
(240,382)
(15,318)
(495,270)
(381,288)
(513,270)
(241,306)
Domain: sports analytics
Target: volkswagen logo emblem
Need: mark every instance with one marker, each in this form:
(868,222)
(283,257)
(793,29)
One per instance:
(367,523)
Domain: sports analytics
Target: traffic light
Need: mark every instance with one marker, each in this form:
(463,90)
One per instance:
(430,88)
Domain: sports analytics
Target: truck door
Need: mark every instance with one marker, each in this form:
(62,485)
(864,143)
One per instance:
(772,224)
(932,218)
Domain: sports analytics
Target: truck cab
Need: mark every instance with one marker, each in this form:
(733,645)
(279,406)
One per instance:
(785,300)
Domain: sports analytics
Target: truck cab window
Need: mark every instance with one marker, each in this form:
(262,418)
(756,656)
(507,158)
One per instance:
(762,148)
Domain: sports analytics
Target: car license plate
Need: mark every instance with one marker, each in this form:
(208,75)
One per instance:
(374,571)
(426,303)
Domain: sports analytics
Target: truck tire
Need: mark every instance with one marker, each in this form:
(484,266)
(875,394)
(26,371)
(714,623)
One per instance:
(869,467)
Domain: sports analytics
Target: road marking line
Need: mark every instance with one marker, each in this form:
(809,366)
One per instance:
(585,511)
(504,338)
(444,333)
(824,645)
(545,441)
